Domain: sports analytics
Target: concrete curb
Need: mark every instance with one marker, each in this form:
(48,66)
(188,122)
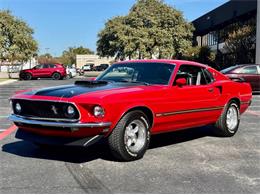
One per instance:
(8,81)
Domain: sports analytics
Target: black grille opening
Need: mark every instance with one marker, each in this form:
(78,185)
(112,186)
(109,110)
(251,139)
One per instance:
(45,109)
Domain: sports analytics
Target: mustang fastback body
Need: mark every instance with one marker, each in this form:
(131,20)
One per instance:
(130,101)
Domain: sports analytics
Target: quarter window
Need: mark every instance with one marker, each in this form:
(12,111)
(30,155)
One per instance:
(208,76)
(249,70)
(39,66)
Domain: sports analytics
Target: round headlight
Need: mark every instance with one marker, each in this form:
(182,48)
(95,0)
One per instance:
(99,111)
(18,108)
(70,111)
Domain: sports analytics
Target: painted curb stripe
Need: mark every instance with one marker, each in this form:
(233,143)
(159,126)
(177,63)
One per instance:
(7,132)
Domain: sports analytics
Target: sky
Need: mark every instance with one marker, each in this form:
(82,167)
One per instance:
(59,24)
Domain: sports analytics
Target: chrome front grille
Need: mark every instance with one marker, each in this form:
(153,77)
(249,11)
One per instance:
(45,110)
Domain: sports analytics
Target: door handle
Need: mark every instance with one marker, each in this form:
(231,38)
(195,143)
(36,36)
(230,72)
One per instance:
(211,90)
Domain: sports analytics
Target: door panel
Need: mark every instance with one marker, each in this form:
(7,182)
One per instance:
(191,105)
(37,72)
(45,70)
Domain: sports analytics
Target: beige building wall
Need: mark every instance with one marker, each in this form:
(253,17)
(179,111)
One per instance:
(91,59)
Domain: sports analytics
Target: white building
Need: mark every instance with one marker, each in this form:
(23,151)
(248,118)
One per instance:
(81,60)
(17,66)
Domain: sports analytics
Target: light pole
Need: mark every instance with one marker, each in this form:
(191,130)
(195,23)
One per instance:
(257,55)
(47,49)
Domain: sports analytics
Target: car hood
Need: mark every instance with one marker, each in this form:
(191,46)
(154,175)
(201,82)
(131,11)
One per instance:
(69,91)
(24,70)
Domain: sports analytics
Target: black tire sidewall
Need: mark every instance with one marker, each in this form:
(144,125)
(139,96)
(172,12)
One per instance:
(54,76)
(116,139)
(234,130)
(137,116)
(28,76)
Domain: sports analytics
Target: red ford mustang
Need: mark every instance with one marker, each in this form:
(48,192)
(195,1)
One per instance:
(130,101)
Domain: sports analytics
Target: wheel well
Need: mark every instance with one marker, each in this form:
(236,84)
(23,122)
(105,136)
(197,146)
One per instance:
(146,111)
(236,100)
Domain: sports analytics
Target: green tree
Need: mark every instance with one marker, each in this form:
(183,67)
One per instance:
(152,29)
(16,39)
(202,55)
(69,56)
(240,44)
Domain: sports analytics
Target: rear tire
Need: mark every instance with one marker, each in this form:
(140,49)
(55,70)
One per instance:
(56,76)
(130,138)
(228,122)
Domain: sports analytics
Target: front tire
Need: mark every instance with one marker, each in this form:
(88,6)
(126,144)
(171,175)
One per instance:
(131,137)
(228,123)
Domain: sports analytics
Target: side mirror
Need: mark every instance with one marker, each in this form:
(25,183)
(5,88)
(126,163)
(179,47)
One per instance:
(181,82)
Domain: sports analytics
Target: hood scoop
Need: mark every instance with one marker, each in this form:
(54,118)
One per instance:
(91,83)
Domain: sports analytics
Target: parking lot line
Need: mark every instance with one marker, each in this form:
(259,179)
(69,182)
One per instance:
(7,132)
(253,112)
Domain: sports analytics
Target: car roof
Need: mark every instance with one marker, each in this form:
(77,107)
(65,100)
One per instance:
(237,66)
(178,62)
(242,65)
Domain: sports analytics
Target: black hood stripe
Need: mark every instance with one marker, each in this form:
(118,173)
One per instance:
(68,91)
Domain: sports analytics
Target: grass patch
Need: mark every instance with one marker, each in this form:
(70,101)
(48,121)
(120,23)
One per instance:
(6,79)
(3,79)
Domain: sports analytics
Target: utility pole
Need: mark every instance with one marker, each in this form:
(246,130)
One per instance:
(257,55)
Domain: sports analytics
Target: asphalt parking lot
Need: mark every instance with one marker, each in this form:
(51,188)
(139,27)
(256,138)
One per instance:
(190,161)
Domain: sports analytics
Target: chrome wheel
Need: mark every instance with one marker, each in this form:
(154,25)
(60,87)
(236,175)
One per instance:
(135,136)
(232,118)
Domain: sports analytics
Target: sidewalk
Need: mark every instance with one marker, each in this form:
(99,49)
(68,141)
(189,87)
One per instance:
(4,75)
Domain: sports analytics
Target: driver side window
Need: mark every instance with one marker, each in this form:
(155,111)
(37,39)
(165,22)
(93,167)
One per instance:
(194,75)
(38,66)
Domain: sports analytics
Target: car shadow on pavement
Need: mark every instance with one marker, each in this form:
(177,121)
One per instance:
(99,150)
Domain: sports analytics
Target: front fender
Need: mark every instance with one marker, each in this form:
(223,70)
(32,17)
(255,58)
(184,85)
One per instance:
(121,110)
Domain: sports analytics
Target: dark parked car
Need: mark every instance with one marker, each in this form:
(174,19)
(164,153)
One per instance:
(101,67)
(248,72)
(55,71)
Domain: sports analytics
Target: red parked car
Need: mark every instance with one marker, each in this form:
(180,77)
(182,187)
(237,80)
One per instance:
(128,103)
(248,72)
(55,71)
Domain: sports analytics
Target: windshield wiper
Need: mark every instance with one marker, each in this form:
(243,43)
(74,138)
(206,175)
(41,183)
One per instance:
(141,82)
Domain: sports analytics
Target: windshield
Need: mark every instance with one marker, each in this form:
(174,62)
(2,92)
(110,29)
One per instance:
(149,73)
(226,70)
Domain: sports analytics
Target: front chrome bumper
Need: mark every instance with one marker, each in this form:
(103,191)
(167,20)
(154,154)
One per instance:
(27,120)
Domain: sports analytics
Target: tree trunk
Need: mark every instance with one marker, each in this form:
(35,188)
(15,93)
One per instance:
(8,70)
